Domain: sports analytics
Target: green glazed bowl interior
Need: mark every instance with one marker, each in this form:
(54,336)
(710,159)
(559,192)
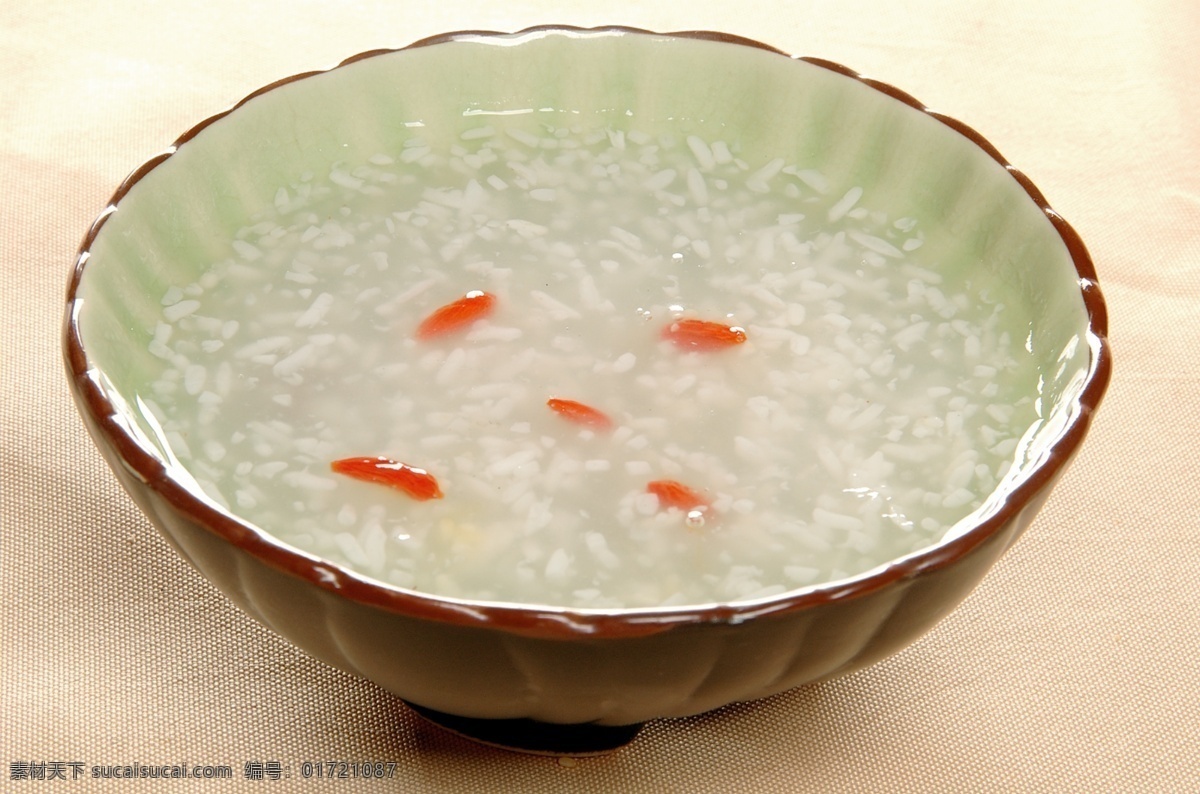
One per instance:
(177,214)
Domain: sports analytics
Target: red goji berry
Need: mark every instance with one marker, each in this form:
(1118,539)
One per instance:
(672,493)
(456,316)
(417,483)
(703,335)
(580,414)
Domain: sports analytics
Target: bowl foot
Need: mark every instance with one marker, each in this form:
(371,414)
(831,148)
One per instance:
(534,737)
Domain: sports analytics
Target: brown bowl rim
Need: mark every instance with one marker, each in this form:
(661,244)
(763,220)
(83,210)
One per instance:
(567,623)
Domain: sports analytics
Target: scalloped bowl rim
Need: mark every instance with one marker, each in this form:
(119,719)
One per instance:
(563,622)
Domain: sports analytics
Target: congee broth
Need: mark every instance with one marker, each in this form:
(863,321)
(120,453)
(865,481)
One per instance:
(591,366)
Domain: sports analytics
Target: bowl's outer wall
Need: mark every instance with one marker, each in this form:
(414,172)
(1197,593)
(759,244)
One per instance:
(482,671)
(488,667)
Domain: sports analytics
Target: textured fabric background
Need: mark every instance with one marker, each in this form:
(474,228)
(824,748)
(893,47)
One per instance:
(1073,667)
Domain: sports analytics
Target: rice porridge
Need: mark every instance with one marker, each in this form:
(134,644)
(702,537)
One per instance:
(590,367)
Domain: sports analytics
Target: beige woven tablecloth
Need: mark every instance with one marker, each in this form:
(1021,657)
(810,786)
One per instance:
(1073,667)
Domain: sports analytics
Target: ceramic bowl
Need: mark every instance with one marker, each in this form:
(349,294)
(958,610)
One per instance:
(492,661)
